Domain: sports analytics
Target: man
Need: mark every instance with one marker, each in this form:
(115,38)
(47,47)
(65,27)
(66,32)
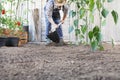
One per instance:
(52,17)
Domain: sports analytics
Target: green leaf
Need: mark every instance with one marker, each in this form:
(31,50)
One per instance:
(77,32)
(72,13)
(86,1)
(94,45)
(90,35)
(83,28)
(76,23)
(109,0)
(104,13)
(99,4)
(104,23)
(91,5)
(98,37)
(78,4)
(96,30)
(115,16)
(70,29)
(82,12)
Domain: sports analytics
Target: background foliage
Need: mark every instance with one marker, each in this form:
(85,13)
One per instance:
(84,16)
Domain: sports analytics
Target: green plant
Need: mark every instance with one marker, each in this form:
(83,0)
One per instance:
(11,24)
(80,16)
(10,19)
(84,15)
(95,37)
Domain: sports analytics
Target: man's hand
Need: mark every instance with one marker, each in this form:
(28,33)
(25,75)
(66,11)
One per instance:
(55,26)
(62,21)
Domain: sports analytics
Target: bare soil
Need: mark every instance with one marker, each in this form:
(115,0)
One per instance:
(40,62)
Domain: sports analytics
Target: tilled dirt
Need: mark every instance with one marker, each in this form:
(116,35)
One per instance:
(40,62)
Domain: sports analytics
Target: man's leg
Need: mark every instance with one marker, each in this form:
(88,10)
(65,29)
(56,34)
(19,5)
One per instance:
(48,28)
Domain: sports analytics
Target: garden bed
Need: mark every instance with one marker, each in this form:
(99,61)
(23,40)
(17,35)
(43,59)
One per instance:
(40,62)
